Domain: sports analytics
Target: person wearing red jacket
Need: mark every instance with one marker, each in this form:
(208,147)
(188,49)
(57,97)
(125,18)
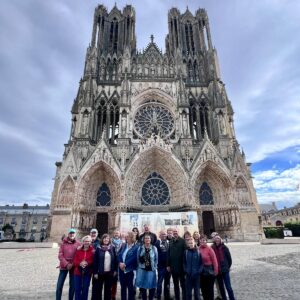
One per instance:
(66,256)
(210,269)
(83,262)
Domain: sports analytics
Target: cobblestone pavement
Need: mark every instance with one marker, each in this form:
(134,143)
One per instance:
(259,272)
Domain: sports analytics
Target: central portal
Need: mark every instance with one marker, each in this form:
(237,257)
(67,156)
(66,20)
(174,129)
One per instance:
(102,223)
(208,223)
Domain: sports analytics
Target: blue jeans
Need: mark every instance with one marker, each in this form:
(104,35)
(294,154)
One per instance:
(192,283)
(60,284)
(163,276)
(82,284)
(126,282)
(224,278)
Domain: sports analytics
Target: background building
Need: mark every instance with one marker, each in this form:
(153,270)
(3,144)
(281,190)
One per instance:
(153,131)
(279,217)
(28,222)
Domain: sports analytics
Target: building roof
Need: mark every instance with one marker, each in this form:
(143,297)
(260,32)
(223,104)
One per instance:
(25,208)
(268,207)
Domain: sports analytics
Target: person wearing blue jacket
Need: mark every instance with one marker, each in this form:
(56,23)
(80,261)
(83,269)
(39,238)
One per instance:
(127,258)
(193,266)
(163,275)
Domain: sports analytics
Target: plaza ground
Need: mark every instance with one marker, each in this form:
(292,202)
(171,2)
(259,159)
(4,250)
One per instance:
(259,272)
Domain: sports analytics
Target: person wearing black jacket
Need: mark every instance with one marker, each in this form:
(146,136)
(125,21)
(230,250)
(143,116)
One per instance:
(105,268)
(224,262)
(175,263)
(95,244)
(147,231)
(162,246)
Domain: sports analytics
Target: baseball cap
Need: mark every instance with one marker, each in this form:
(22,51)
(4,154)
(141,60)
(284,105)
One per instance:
(72,230)
(94,230)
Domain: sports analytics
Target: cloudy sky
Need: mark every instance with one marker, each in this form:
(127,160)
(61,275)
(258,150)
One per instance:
(42,52)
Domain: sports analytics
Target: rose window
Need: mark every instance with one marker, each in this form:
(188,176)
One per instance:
(155,191)
(153,118)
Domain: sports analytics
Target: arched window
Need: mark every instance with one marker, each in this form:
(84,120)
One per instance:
(199,119)
(206,195)
(155,191)
(103,196)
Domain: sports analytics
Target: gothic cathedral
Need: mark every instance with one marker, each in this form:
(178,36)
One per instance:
(153,131)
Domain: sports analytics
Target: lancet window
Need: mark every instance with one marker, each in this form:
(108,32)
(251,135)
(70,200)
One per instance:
(107,119)
(199,119)
(206,195)
(113,35)
(103,196)
(189,39)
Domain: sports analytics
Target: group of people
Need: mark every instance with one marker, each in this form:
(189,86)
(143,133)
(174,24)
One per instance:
(144,265)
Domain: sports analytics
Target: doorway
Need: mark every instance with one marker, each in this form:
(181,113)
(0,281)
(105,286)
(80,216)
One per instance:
(102,223)
(208,223)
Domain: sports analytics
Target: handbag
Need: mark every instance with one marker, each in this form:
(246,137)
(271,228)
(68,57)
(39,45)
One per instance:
(208,270)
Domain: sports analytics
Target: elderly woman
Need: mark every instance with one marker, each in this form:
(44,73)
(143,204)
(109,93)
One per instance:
(147,266)
(127,266)
(224,262)
(83,262)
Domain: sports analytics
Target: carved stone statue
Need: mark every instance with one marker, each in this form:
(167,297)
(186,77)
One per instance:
(124,124)
(184,125)
(85,123)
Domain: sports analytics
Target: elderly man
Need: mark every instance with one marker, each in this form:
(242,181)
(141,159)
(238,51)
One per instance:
(66,256)
(95,239)
(152,235)
(162,246)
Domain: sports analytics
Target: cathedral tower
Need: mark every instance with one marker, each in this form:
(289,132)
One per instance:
(153,131)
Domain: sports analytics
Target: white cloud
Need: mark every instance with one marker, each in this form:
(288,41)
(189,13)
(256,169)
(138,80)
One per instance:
(278,186)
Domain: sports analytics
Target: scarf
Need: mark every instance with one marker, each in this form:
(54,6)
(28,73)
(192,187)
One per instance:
(105,247)
(117,243)
(147,259)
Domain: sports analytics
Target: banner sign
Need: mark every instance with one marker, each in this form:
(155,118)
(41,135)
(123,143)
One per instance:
(183,221)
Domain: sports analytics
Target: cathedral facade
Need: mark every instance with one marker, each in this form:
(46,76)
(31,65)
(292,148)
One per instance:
(153,131)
